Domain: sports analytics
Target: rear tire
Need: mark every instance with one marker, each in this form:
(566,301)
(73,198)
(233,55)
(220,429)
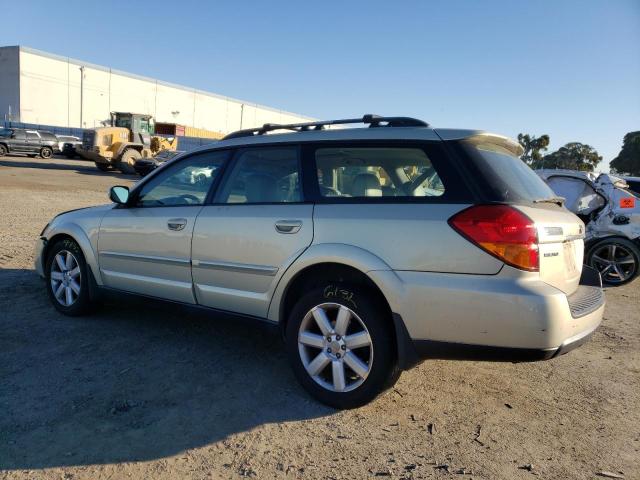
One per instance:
(343,367)
(617,260)
(46,152)
(128,160)
(67,276)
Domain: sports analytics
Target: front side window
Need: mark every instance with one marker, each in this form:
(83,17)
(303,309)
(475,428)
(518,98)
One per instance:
(32,136)
(263,175)
(185,183)
(376,172)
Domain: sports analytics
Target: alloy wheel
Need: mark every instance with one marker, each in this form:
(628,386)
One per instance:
(615,263)
(65,278)
(335,347)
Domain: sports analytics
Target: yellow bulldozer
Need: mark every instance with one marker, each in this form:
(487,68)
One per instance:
(129,138)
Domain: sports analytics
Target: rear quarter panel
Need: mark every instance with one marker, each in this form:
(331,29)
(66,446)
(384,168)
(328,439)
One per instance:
(412,237)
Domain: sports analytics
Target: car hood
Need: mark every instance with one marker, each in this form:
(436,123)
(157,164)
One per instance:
(87,217)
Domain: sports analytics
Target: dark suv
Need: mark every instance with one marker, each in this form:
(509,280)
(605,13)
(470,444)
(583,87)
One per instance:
(31,142)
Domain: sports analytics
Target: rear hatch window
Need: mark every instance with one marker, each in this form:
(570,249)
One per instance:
(508,178)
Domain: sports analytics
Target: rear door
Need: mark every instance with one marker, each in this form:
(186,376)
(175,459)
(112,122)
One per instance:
(256,227)
(33,141)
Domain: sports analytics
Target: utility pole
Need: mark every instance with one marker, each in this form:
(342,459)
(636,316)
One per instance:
(81,94)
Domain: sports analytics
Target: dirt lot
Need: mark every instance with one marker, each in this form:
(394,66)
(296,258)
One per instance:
(141,391)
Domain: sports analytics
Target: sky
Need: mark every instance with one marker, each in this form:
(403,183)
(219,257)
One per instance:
(569,69)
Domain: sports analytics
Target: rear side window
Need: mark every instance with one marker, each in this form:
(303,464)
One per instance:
(48,136)
(509,178)
(263,175)
(32,136)
(358,172)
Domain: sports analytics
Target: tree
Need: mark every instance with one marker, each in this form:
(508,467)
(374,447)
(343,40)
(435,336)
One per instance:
(573,156)
(532,147)
(628,160)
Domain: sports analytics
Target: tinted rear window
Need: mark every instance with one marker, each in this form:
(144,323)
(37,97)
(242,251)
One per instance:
(509,178)
(48,136)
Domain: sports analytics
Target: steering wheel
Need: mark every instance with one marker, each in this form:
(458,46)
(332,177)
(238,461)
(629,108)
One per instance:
(192,198)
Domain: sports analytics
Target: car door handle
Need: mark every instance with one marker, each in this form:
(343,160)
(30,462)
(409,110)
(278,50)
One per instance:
(288,226)
(177,223)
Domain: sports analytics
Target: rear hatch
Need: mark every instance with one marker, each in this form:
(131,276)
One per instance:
(560,245)
(494,164)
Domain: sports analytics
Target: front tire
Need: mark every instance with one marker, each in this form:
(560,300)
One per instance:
(103,167)
(67,278)
(128,160)
(341,345)
(3,150)
(617,260)
(46,152)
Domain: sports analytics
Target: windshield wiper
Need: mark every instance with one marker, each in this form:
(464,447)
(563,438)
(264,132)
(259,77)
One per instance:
(558,200)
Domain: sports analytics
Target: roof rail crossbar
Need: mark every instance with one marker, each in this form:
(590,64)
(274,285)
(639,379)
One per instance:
(372,120)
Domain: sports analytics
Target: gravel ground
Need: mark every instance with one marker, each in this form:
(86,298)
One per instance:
(147,391)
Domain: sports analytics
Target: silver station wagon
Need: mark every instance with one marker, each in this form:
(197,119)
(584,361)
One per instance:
(372,248)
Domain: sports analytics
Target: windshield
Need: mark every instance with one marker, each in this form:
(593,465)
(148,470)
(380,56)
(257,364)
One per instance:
(124,122)
(5,132)
(498,160)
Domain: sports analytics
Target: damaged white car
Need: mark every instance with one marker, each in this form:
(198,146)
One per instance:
(611,213)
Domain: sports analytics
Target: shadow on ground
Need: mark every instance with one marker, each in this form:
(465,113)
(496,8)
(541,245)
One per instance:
(81,167)
(135,381)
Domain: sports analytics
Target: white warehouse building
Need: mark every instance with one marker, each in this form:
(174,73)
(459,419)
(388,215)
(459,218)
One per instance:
(45,89)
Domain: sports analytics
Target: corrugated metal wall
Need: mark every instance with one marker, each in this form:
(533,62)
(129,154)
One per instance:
(61,91)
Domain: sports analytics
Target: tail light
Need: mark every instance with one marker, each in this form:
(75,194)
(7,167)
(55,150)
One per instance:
(503,231)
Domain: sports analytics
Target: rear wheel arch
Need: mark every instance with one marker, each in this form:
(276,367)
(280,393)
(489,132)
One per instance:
(325,275)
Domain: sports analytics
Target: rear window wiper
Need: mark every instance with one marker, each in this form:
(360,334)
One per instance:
(558,200)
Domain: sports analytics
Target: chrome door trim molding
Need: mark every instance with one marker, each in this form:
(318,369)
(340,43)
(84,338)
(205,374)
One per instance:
(237,267)
(146,258)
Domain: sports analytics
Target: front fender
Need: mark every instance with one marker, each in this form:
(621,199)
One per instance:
(349,255)
(76,232)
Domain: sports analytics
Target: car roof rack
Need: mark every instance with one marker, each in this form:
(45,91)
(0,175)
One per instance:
(372,120)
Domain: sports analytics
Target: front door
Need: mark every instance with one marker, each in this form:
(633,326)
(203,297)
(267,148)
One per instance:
(145,248)
(257,226)
(18,141)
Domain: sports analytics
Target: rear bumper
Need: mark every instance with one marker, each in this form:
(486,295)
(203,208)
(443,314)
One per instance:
(502,317)
(425,349)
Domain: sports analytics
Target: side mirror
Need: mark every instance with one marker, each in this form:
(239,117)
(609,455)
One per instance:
(119,195)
